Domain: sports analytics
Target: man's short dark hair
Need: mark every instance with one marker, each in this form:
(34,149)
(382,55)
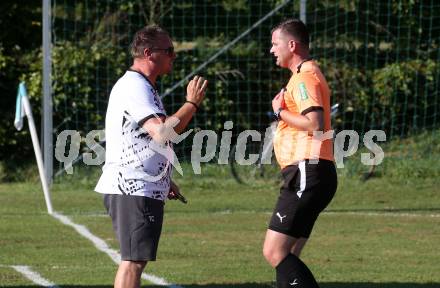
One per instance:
(146,38)
(295,28)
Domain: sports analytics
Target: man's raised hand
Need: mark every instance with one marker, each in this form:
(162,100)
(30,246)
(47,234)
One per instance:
(196,90)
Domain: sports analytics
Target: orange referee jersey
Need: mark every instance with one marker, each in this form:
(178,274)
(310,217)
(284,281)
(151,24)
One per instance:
(306,91)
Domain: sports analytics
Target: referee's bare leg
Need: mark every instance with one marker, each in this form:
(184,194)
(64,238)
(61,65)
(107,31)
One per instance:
(129,274)
(281,252)
(298,246)
(277,246)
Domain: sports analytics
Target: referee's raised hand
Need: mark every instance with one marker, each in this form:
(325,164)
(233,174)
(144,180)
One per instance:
(196,90)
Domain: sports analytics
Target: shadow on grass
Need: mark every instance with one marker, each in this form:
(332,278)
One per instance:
(267,285)
(394,210)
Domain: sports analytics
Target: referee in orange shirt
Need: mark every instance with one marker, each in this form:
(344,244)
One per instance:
(310,181)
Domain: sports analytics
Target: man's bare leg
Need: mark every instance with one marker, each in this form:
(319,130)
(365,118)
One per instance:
(129,274)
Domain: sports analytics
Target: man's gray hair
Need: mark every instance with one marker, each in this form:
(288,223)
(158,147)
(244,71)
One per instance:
(146,38)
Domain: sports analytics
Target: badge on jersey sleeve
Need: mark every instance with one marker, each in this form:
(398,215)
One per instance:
(303,91)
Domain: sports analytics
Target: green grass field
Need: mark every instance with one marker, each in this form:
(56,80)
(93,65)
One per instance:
(380,233)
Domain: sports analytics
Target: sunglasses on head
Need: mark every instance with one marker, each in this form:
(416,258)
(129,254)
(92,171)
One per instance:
(169,50)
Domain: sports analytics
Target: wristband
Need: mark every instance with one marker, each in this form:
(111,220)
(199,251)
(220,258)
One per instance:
(194,104)
(277,114)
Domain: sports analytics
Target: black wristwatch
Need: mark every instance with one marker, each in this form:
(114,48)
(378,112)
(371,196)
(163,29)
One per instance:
(277,113)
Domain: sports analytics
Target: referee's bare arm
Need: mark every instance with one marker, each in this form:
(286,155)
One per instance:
(311,121)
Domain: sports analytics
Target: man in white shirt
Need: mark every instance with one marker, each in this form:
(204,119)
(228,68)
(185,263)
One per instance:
(136,177)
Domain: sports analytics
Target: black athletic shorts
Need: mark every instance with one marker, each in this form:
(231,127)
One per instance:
(137,222)
(307,189)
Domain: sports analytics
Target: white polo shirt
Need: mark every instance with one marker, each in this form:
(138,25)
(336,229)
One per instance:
(133,165)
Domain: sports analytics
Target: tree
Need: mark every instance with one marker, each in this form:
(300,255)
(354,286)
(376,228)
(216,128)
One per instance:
(20,35)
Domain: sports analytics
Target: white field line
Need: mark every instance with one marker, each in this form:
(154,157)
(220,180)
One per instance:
(33,276)
(102,246)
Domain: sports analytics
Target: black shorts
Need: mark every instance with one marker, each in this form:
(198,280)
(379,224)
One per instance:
(307,189)
(137,222)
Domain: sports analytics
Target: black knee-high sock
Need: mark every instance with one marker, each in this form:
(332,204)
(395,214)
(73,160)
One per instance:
(292,272)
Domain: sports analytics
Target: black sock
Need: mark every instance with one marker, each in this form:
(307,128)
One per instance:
(293,273)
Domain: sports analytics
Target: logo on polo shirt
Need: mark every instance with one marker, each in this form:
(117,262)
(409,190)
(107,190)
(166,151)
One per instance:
(303,91)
